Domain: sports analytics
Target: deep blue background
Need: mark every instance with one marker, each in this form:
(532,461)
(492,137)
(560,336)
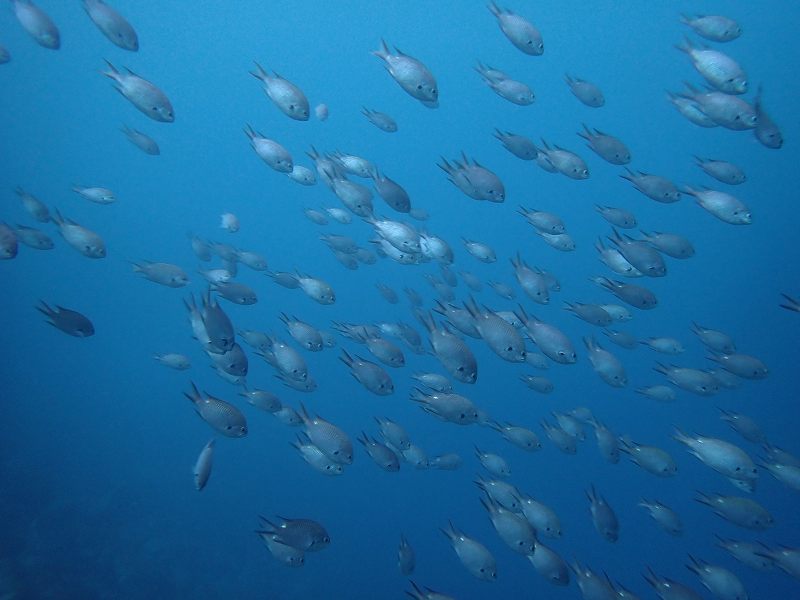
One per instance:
(96,440)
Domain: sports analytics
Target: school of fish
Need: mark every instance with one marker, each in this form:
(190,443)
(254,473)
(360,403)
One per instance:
(444,333)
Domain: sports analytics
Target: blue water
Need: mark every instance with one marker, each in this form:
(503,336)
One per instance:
(97,442)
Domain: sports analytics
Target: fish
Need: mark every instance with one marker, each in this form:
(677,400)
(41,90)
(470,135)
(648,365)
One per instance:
(9,242)
(84,240)
(37,24)
(410,74)
(69,321)
(475,180)
(520,31)
(303,534)
(509,89)
(767,131)
(726,110)
(565,162)
(35,207)
(289,98)
(603,516)
(472,554)
(179,362)
(664,516)
(719,69)
(718,580)
(329,438)
(202,467)
(722,170)
(716,28)
(654,187)
(724,206)
(271,152)
(220,415)
(166,274)
(585,91)
(141,140)
(373,377)
(285,554)
(31,237)
(112,25)
(454,355)
(406,560)
(144,95)
(606,146)
(316,458)
(381,120)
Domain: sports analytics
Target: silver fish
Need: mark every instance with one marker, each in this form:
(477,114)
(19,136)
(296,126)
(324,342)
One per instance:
(144,95)
(289,98)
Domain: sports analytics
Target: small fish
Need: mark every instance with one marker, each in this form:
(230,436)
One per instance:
(767,131)
(238,293)
(718,580)
(494,463)
(271,152)
(141,140)
(654,187)
(303,534)
(606,146)
(509,89)
(565,162)
(302,175)
(316,458)
(286,555)
(715,28)
(721,170)
(586,92)
(37,23)
(479,250)
(179,362)
(321,112)
(84,240)
(166,274)
(98,195)
(329,438)
(791,303)
(519,31)
(743,512)
(617,216)
(69,321)
(35,207)
(472,554)
(202,467)
(475,180)
(143,94)
(373,377)
(381,454)
(520,146)
(722,205)
(289,98)
(543,221)
(381,120)
(410,74)
(29,236)
(222,416)
(719,69)
(112,24)
(603,516)
(664,516)
(405,557)
(726,110)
